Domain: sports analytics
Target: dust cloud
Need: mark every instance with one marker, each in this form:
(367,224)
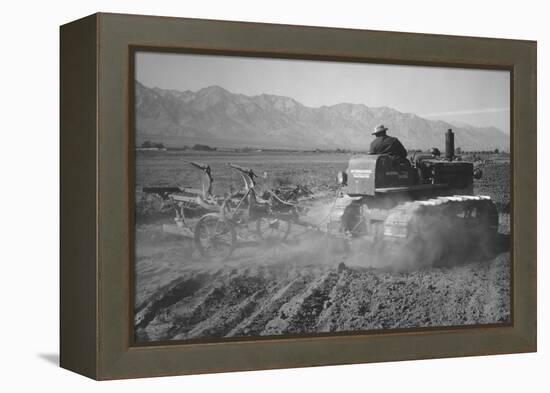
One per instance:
(438,241)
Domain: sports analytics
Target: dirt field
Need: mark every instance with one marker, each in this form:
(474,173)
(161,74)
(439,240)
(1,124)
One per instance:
(305,287)
(291,289)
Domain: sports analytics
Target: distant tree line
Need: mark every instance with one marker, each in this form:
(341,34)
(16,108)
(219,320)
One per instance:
(203,147)
(458,151)
(156,145)
(333,150)
(152,145)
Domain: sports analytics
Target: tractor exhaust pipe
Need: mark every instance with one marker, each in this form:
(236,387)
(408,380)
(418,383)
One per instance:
(449,145)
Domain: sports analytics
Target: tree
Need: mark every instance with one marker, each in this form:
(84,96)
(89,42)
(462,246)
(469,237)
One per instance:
(203,147)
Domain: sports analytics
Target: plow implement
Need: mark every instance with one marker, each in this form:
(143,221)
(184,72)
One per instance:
(242,219)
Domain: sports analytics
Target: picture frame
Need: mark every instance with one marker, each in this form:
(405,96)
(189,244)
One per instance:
(96,142)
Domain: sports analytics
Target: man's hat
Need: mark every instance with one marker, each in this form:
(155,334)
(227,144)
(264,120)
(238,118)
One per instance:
(379,129)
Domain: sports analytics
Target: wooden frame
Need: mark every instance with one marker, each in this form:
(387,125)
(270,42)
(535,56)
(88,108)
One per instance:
(96,194)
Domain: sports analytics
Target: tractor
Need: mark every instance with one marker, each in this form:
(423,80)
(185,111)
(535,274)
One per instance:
(425,201)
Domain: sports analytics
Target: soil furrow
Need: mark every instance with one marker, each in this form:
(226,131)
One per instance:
(301,311)
(221,323)
(167,296)
(225,294)
(256,323)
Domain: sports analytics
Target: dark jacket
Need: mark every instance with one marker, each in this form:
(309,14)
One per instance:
(388,145)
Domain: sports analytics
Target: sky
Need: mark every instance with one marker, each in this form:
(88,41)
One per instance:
(474,96)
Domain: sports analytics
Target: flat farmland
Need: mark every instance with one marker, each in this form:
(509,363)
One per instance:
(172,167)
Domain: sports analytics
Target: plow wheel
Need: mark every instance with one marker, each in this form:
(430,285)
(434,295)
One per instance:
(272,230)
(215,237)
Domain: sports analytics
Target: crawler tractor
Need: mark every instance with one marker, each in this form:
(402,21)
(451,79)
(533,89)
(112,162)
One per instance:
(424,201)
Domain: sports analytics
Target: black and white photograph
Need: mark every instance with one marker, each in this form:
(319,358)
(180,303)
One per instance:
(243,196)
(286,197)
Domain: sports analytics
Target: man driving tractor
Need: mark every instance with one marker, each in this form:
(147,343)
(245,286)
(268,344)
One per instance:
(384,144)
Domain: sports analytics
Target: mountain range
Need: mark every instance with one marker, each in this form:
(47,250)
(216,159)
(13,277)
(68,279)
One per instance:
(219,118)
